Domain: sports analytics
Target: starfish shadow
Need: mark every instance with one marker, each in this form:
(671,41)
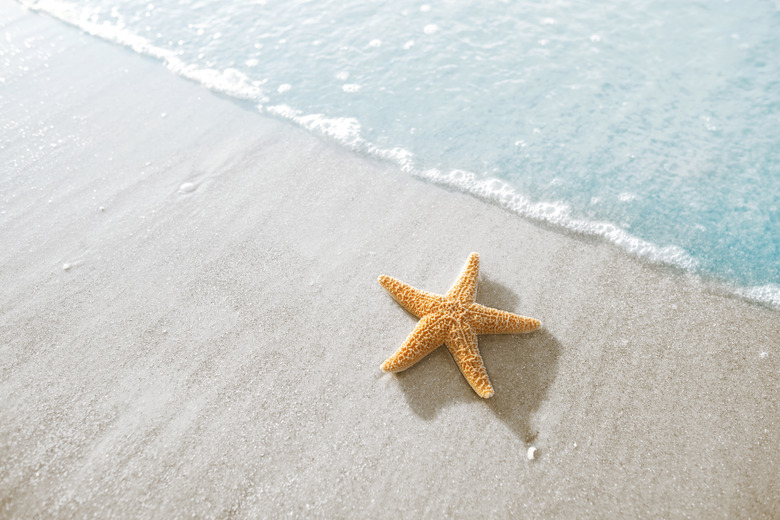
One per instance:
(521,366)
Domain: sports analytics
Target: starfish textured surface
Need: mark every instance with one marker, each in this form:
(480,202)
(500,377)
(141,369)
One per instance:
(455,320)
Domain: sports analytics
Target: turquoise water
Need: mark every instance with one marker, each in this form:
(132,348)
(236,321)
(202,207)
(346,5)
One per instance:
(653,124)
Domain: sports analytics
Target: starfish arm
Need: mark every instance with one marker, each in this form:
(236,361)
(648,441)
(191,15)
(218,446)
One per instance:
(493,321)
(465,288)
(426,337)
(413,300)
(462,344)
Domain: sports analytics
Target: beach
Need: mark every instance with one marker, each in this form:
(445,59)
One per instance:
(191,325)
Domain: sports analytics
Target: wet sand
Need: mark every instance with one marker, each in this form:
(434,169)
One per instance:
(191,324)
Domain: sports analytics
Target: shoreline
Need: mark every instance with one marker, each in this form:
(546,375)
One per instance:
(213,346)
(346,132)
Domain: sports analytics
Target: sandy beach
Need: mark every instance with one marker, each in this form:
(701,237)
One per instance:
(191,326)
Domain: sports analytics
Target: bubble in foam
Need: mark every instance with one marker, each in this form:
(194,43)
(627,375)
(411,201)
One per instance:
(767,294)
(345,130)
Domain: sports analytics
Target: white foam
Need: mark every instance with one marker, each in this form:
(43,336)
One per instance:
(229,81)
(768,294)
(559,214)
(345,130)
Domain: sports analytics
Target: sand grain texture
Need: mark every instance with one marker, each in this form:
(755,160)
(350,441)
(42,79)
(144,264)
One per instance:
(214,351)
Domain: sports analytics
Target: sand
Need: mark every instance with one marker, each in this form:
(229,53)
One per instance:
(191,325)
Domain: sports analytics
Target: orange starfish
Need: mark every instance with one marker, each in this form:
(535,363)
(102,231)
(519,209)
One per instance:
(454,319)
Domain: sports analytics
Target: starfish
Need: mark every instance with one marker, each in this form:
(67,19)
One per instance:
(454,319)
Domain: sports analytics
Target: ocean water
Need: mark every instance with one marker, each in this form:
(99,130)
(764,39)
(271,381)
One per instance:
(653,124)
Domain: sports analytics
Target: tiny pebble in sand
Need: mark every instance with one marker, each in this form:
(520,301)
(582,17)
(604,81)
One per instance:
(531,453)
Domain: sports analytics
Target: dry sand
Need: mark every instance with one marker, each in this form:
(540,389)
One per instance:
(214,351)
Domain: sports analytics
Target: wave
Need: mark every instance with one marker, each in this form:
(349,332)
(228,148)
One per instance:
(230,82)
(347,132)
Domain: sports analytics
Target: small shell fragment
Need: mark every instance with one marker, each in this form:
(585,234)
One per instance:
(531,453)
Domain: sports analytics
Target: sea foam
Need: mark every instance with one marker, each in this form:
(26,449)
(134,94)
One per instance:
(229,81)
